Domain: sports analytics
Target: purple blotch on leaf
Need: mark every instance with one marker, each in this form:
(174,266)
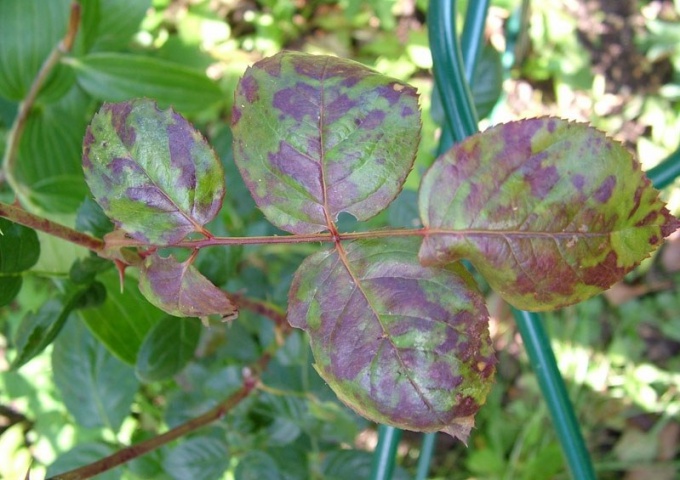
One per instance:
(299,166)
(119,116)
(338,108)
(374,119)
(180,143)
(250,87)
(604,192)
(298,101)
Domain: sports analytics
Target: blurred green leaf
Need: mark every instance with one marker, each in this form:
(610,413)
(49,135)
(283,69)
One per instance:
(116,77)
(123,320)
(108,25)
(96,387)
(30,30)
(19,251)
(84,454)
(344,464)
(198,458)
(256,465)
(167,348)
(84,270)
(37,330)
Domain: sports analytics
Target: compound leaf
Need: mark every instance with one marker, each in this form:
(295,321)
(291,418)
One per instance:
(153,174)
(550,212)
(400,343)
(315,136)
(178,288)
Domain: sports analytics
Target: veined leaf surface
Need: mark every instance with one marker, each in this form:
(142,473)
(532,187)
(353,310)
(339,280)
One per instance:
(400,343)
(317,135)
(178,288)
(153,174)
(550,212)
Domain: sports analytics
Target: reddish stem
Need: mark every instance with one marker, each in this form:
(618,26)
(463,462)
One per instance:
(139,449)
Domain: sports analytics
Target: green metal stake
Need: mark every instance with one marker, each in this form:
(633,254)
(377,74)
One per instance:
(666,172)
(426,452)
(462,122)
(385,452)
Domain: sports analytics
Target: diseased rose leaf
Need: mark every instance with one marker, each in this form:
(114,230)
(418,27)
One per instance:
(152,173)
(400,343)
(178,288)
(316,135)
(550,212)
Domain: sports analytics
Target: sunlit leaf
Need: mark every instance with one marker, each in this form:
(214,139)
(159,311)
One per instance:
(153,174)
(30,30)
(116,77)
(315,136)
(49,153)
(550,212)
(38,329)
(399,343)
(178,288)
(108,25)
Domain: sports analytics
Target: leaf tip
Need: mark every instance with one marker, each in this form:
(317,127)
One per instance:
(460,428)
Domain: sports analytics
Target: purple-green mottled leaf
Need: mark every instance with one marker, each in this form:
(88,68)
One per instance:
(400,343)
(178,288)
(550,212)
(153,174)
(315,136)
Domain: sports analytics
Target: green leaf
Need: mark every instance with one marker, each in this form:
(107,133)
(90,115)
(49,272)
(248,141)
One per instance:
(486,86)
(255,465)
(487,83)
(153,174)
(96,387)
(91,218)
(85,270)
(401,344)
(199,458)
(84,454)
(50,151)
(116,77)
(19,251)
(315,136)
(108,25)
(30,30)
(123,320)
(167,348)
(180,290)
(37,330)
(550,212)
(344,464)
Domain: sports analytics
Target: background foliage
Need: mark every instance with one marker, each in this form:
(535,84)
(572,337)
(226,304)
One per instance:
(108,380)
